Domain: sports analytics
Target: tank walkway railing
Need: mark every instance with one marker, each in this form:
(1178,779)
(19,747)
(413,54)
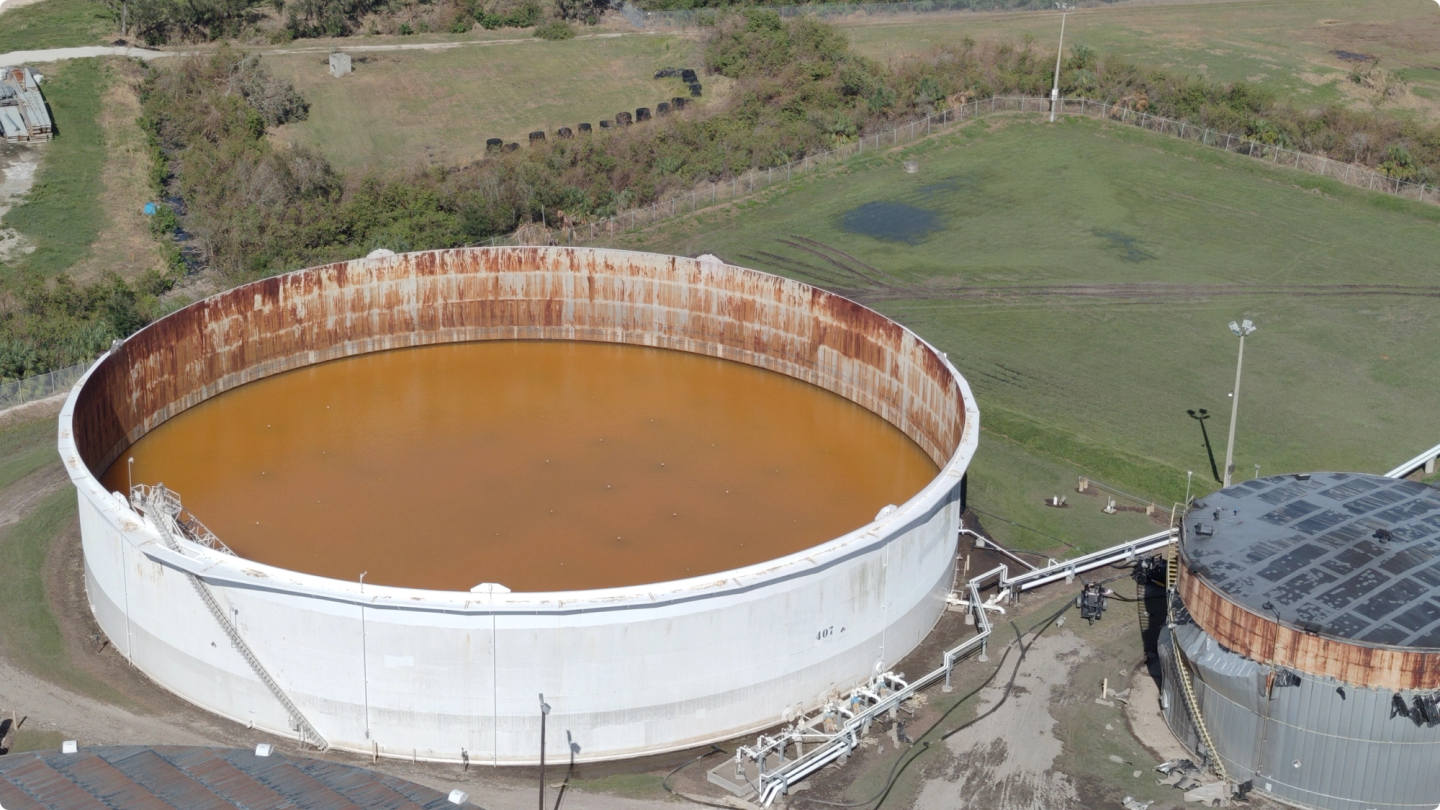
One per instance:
(835,730)
(181,521)
(1425,461)
(162,507)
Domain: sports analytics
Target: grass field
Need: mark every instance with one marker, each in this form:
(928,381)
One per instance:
(63,213)
(1081,276)
(1286,45)
(55,24)
(419,107)
(408,107)
(30,636)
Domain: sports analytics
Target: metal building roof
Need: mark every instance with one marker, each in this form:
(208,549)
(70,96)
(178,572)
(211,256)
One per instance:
(1353,556)
(132,777)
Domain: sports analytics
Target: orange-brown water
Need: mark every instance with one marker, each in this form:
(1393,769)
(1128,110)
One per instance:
(537,465)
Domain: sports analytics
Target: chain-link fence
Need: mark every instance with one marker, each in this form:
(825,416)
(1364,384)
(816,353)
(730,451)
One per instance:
(743,185)
(695,18)
(19,392)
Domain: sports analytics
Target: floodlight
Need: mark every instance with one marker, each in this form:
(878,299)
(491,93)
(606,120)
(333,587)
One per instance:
(1243,328)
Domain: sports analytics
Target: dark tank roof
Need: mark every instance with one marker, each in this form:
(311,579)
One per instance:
(1348,555)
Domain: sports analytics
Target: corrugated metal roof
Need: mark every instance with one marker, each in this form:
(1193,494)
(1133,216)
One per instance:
(187,778)
(21,89)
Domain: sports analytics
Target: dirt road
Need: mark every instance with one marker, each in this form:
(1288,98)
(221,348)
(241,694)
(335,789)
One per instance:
(1007,760)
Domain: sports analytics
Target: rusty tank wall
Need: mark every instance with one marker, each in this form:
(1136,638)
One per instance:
(454,676)
(522,293)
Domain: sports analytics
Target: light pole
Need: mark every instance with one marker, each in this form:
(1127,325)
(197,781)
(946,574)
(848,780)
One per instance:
(1055,91)
(1189,476)
(1241,329)
(130,476)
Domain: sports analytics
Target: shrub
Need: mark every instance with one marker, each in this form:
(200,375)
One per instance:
(555,30)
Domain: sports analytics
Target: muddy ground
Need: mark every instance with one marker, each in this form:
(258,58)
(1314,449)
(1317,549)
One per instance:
(18,164)
(1046,744)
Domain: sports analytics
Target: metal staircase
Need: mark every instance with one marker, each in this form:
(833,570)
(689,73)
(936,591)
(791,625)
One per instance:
(162,506)
(1194,706)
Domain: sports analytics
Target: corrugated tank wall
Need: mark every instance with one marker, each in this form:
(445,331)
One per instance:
(1317,743)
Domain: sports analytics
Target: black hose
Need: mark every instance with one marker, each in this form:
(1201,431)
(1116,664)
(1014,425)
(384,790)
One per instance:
(901,763)
(665,783)
(566,784)
(904,762)
(919,748)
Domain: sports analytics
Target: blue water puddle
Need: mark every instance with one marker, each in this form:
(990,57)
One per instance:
(912,220)
(893,221)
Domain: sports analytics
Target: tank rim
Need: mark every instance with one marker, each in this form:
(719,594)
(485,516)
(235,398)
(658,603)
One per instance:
(214,565)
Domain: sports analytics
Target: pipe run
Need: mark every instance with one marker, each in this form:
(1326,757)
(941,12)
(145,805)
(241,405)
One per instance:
(1425,461)
(885,692)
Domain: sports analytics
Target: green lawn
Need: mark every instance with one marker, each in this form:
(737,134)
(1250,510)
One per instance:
(30,636)
(1286,45)
(405,107)
(62,213)
(55,24)
(25,448)
(1008,488)
(1102,377)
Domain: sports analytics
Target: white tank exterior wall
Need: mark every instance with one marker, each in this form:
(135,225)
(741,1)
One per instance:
(429,674)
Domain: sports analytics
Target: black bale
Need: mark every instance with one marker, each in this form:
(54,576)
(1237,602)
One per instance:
(663,108)
(537,135)
(642,113)
(493,144)
(564,132)
(586,127)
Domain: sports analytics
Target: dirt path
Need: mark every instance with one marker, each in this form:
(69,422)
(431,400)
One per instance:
(60,54)
(1007,760)
(18,163)
(7,5)
(846,275)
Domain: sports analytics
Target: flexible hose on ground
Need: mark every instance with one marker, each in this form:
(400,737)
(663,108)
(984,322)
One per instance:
(916,750)
(665,783)
(904,763)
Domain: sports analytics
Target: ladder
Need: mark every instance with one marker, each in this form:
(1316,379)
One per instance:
(155,501)
(1211,753)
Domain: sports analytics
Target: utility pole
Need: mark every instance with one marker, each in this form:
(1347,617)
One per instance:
(1241,329)
(544,712)
(1055,91)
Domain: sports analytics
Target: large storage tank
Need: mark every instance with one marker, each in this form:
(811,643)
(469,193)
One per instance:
(1310,631)
(456,676)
